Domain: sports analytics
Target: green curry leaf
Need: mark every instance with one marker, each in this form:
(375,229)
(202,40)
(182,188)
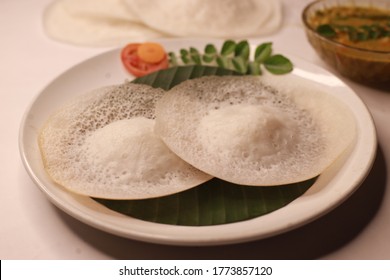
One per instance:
(278,64)
(228,47)
(233,56)
(242,50)
(326,30)
(263,52)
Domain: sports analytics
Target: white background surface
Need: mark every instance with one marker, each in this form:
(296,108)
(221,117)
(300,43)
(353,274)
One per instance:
(32,228)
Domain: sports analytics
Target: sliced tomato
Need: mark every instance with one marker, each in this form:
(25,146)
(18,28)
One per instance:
(138,67)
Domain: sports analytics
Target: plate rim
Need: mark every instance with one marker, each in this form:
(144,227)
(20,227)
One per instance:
(184,235)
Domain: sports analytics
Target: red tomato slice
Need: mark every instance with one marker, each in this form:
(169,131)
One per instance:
(136,66)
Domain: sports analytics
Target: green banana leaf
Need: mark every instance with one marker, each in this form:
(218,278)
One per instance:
(216,201)
(168,78)
(212,203)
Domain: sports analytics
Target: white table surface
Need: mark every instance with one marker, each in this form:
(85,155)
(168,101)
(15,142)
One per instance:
(33,228)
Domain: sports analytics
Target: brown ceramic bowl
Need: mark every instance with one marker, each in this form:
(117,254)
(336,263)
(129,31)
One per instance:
(361,65)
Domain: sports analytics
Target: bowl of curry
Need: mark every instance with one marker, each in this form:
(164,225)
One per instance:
(352,36)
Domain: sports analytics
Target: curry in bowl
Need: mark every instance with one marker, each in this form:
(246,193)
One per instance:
(351,37)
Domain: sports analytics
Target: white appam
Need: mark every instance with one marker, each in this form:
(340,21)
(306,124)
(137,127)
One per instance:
(94,23)
(205,18)
(263,131)
(102,145)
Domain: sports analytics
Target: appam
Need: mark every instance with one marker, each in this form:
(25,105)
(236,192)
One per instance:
(255,130)
(204,18)
(103,145)
(94,23)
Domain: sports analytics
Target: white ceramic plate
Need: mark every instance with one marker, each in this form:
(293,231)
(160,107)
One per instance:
(332,188)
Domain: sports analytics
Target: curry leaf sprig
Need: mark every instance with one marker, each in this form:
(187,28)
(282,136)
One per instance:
(355,34)
(235,56)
